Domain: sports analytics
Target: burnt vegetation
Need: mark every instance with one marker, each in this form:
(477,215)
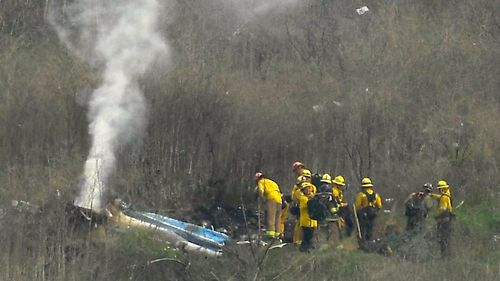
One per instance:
(407,93)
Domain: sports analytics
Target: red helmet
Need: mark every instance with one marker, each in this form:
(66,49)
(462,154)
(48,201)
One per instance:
(258,175)
(297,165)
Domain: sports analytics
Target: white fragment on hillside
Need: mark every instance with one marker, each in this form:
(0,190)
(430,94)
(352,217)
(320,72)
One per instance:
(318,107)
(362,10)
(337,103)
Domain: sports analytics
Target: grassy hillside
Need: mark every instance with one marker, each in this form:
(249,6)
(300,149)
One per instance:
(50,248)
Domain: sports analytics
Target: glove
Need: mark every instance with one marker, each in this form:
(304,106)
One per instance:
(284,204)
(341,223)
(256,194)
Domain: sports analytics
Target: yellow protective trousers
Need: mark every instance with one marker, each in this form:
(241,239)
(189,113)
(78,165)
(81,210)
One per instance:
(273,214)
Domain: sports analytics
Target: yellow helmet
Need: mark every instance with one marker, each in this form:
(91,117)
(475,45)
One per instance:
(306,173)
(442,184)
(305,184)
(326,178)
(302,179)
(366,182)
(339,180)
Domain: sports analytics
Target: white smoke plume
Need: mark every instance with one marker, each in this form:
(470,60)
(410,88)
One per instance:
(120,38)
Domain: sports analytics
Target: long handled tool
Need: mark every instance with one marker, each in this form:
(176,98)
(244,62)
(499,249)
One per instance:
(357,220)
(460,205)
(258,217)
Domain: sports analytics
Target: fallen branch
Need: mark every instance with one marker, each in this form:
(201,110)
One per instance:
(167,259)
(186,266)
(214,276)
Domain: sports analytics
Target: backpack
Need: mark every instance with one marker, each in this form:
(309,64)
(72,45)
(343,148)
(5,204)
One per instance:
(370,211)
(414,205)
(289,230)
(316,180)
(324,187)
(317,207)
(294,209)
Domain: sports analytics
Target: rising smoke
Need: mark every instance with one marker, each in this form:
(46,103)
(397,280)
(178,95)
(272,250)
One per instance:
(120,38)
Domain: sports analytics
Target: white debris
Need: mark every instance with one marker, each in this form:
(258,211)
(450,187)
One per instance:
(496,238)
(237,32)
(362,10)
(278,246)
(337,103)
(25,206)
(318,108)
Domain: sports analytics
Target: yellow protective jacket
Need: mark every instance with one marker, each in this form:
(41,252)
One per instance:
(283,216)
(362,200)
(269,190)
(436,196)
(305,220)
(296,191)
(339,196)
(444,204)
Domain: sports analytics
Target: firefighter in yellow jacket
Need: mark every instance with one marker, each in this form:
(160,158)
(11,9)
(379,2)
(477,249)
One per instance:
(343,211)
(444,217)
(304,177)
(285,205)
(367,205)
(270,192)
(296,193)
(307,224)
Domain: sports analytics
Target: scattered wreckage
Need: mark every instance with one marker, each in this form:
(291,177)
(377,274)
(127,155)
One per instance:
(181,235)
